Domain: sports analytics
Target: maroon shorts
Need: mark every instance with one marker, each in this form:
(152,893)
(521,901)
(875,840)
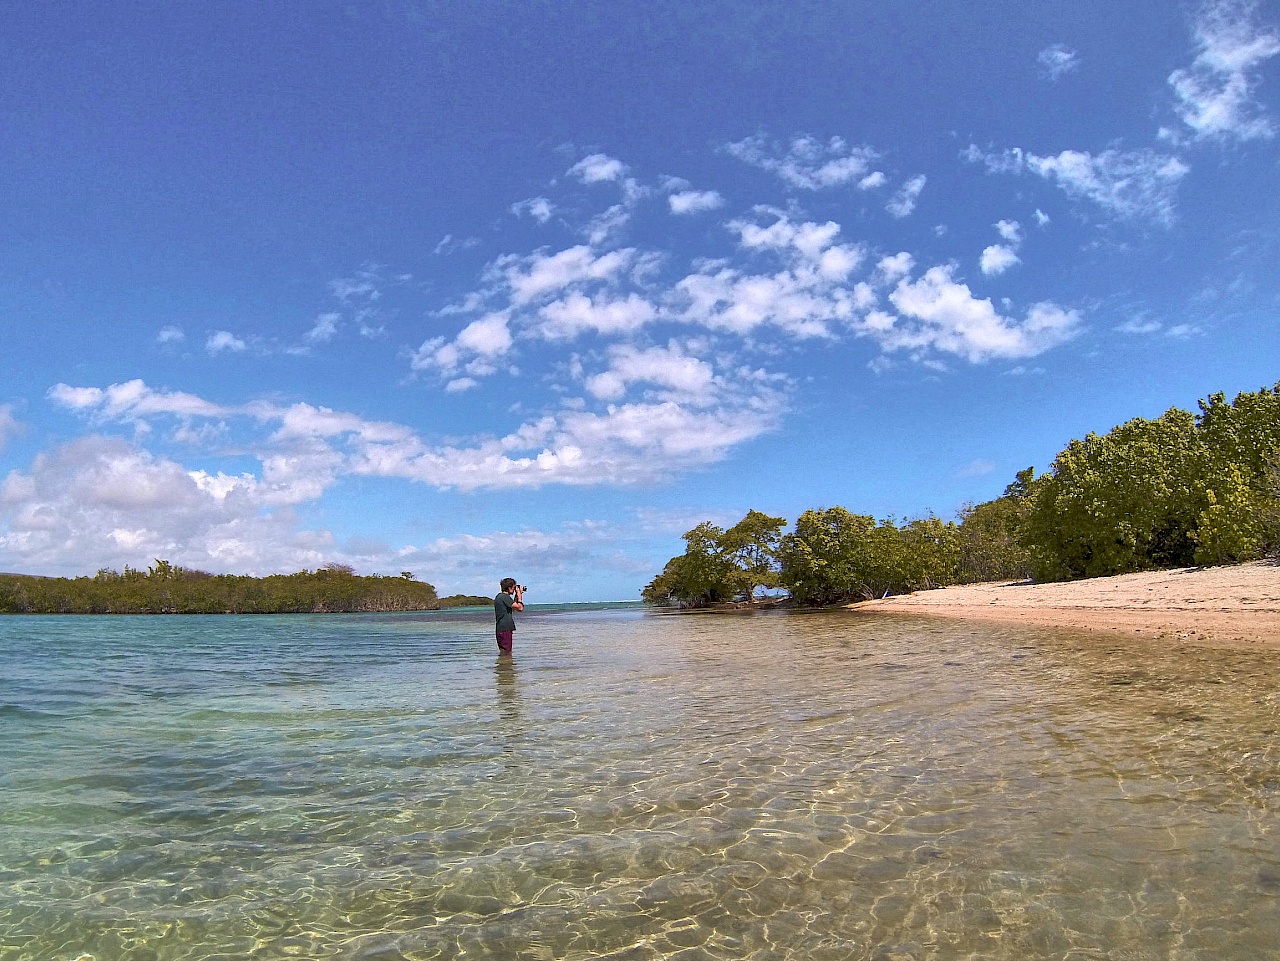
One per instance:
(504,641)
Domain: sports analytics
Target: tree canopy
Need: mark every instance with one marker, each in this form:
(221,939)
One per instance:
(1181,489)
(167,589)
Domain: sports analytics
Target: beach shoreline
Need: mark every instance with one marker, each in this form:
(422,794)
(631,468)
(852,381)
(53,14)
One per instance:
(1237,605)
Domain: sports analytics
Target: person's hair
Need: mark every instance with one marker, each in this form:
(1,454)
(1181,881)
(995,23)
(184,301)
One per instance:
(508,583)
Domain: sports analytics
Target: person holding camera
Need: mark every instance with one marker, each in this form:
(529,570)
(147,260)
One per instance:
(509,600)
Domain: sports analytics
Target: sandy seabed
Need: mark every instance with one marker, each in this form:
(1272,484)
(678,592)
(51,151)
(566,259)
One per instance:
(1237,605)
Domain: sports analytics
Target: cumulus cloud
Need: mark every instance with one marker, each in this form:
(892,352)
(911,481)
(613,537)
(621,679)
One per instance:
(1125,183)
(539,208)
(107,499)
(788,276)
(678,375)
(475,349)
(170,334)
(1010,230)
(811,164)
(685,424)
(997,258)
(1216,95)
(694,201)
(104,501)
(804,298)
(577,313)
(223,341)
(903,203)
(598,168)
(1057,60)
(939,313)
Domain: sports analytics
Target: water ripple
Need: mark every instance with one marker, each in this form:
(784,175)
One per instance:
(817,786)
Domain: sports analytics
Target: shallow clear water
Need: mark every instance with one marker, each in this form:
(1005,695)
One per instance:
(631,786)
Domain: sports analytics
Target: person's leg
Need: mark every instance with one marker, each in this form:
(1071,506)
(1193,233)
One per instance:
(504,641)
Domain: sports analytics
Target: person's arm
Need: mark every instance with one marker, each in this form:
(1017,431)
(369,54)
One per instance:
(519,604)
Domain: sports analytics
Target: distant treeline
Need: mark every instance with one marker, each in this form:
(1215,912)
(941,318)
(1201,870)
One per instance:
(167,589)
(1184,489)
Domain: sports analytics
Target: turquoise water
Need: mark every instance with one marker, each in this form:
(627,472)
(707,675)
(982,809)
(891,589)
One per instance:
(631,786)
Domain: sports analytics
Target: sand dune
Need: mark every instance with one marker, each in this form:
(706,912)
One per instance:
(1232,605)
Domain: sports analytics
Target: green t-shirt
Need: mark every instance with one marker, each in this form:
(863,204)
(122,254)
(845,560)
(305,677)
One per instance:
(502,606)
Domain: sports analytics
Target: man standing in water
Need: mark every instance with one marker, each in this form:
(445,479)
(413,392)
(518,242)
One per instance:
(510,599)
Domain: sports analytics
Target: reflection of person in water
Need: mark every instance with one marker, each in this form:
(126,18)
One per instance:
(509,599)
(508,691)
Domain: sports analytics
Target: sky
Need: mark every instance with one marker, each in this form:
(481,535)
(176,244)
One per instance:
(532,288)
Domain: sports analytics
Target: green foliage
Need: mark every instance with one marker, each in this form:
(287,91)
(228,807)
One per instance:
(465,600)
(990,535)
(1122,502)
(167,589)
(834,556)
(752,545)
(1169,492)
(1178,490)
(704,574)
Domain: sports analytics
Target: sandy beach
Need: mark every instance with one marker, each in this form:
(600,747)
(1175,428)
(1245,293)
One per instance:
(1230,605)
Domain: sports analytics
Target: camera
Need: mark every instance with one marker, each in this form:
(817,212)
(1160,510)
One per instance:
(523,588)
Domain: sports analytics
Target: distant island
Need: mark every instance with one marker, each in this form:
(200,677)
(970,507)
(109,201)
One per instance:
(169,589)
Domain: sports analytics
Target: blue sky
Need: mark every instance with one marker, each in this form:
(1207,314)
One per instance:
(496,287)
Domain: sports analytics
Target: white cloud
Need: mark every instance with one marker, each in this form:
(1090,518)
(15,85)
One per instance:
(539,208)
(938,313)
(1126,183)
(223,341)
(811,164)
(598,168)
(903,203)
(1216,94)
(170,334)
(608,223)
(1010,230)
(680,375)
(578,313)
(692,422)
(541,275)
(9,425)
(694,201)
(102,501)
(450,244)
(105,502)
(804,298)
(132,401)
(892,268)
(1057,60)
(1140,325)
(324,329)
(487,337)
(997,258)
(1042,218)
(474,349)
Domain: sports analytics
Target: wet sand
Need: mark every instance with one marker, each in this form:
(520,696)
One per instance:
(1237,605)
